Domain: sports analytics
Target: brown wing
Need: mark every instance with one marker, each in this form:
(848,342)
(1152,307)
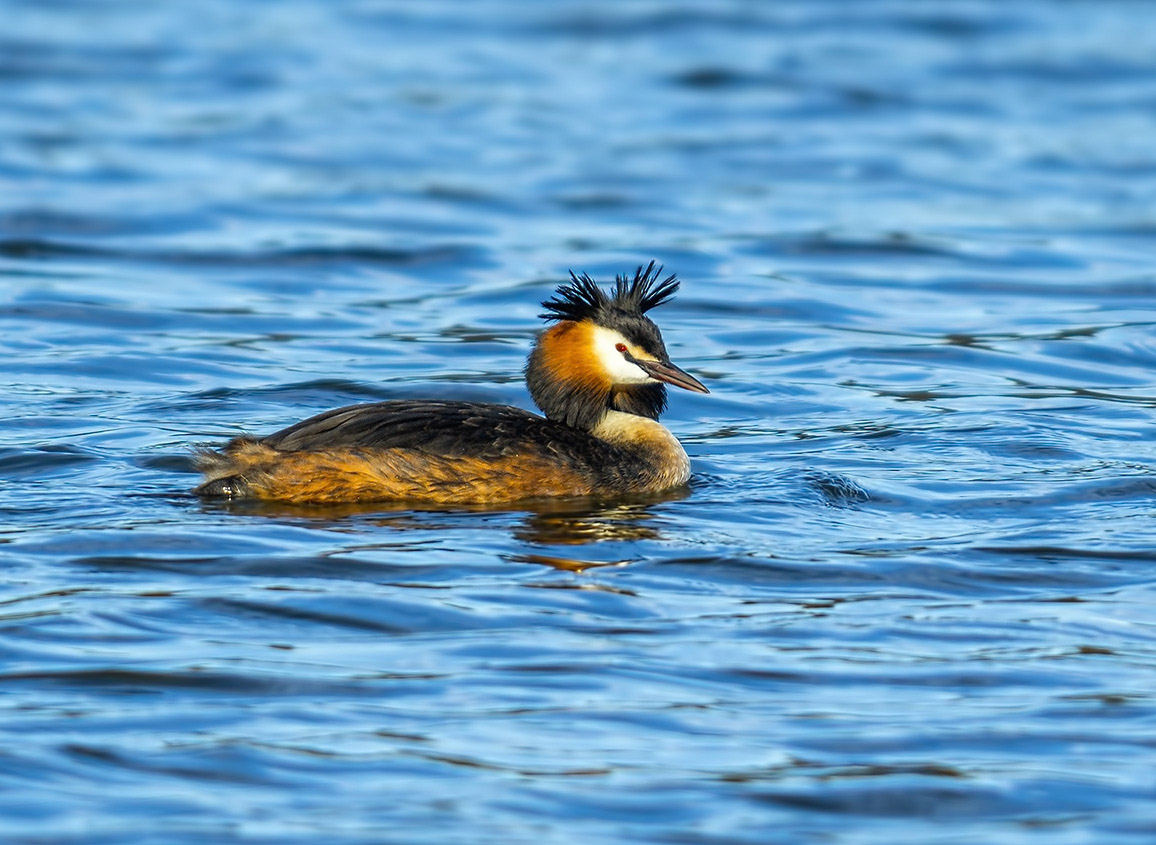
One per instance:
(450,429)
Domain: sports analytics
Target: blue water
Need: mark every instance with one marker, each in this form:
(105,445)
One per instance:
(908,595)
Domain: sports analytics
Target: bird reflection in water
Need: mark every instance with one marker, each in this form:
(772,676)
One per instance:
(554,522)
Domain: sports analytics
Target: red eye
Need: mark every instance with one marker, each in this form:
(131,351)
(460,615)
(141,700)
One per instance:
(621,347)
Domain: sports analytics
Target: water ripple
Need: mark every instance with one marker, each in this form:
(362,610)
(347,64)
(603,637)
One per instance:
(907,594)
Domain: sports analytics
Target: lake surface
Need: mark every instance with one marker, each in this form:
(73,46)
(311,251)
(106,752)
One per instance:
(908,595)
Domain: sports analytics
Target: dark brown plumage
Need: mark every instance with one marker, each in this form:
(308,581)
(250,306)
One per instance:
(598,375)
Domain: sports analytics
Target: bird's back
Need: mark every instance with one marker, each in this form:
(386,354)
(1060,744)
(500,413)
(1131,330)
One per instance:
(427,450)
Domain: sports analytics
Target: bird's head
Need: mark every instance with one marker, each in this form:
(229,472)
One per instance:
(603,352)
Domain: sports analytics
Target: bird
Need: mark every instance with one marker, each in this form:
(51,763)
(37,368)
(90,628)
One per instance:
(598,373)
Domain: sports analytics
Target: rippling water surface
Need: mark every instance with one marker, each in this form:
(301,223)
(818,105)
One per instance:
(908,597)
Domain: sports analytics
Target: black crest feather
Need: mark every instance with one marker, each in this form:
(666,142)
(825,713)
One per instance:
(582,299)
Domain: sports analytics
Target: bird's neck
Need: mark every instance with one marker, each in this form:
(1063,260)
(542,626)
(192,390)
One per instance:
(643,400)
(661,461)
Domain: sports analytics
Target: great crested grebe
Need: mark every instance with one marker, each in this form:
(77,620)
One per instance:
(599,374)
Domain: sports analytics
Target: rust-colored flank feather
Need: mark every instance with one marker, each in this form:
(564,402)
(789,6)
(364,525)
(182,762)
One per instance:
(598,374)
(253,470)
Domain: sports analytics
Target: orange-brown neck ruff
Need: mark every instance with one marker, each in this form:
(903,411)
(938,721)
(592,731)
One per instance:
(564,378)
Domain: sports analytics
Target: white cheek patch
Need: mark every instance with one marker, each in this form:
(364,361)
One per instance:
(616,366)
